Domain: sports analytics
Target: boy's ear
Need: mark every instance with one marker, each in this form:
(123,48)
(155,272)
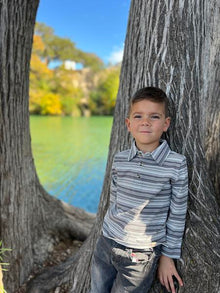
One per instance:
(127,121)
(166,124)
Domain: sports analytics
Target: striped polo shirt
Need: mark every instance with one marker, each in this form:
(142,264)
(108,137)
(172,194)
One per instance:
(148,199)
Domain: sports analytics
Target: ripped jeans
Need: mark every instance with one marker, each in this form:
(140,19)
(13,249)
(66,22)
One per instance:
(119,269)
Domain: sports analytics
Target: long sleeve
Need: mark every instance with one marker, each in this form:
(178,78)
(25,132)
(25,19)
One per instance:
(113,186)
(176,218)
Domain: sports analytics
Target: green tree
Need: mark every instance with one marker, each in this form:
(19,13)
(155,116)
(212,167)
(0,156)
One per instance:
(70,94)
(103,98)
(90,60)
(57,48)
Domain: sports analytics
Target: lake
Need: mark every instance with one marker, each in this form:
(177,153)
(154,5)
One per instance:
(70,156)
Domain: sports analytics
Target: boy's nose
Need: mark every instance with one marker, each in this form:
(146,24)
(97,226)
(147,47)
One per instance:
(146,121)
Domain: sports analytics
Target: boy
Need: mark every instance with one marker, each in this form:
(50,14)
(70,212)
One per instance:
(145,221)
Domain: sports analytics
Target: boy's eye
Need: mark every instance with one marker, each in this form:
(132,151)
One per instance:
(152,117)
(155,117)
(137,116)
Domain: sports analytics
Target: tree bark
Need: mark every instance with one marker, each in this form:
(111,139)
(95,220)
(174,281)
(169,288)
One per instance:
(211,106)
(170,44)
(31,220)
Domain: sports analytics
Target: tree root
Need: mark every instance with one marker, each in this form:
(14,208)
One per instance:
(66,274)
(65,224)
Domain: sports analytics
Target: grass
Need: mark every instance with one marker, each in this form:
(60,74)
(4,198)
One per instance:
(2,264)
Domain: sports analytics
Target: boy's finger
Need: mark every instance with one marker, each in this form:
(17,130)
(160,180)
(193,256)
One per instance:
(172,285)
(166,284)
(180,281)
(161,281)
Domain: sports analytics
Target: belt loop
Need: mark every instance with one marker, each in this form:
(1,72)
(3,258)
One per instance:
(128,249)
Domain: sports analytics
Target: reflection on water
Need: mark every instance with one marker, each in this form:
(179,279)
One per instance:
(70,156)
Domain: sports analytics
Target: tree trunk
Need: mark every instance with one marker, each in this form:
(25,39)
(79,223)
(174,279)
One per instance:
(170,44)
(31,220)
(211,98)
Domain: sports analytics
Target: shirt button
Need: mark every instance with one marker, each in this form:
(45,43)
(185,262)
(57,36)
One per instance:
(138,176)
(141,164)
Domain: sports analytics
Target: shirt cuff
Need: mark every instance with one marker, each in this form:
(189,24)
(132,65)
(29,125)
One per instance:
(171,252)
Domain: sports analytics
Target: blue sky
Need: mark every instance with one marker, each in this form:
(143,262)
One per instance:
(96,26)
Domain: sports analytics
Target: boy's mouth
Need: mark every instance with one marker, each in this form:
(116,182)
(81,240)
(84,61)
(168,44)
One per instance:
(145,131)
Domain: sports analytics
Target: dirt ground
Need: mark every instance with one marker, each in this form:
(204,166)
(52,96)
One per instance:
(60,253)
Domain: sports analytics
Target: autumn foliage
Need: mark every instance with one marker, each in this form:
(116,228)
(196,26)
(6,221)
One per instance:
(61,91)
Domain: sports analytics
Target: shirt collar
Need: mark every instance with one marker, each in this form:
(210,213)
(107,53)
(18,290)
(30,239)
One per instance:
(159,154)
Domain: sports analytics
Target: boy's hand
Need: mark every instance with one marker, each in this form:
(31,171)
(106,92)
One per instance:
(166,271)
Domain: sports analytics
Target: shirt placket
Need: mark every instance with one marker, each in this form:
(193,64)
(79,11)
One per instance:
(140,163)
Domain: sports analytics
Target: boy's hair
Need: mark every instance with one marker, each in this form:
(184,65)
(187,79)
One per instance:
(152,94)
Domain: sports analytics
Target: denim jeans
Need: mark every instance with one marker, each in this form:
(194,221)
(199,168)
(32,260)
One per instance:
(119,269)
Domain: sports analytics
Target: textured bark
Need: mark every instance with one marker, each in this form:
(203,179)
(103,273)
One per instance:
(170,44)
(16,169)
(212,102)
(31,220)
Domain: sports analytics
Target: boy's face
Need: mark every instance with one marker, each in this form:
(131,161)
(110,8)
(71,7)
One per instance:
(146,123)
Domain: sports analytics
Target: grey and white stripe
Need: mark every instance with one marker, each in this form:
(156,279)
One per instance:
(148,199)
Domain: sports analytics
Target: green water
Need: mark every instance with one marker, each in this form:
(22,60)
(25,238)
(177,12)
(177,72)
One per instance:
(70,156)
